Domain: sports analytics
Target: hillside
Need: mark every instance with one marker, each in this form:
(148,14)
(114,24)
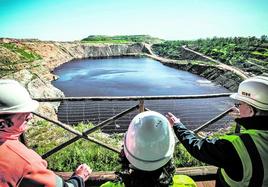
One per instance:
(122,39)
(248,54)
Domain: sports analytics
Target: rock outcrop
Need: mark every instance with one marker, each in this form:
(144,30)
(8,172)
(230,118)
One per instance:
(214,73)
(197,63)
(57,53)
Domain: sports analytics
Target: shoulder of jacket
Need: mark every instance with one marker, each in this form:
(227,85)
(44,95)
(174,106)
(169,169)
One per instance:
(22,151)
(231,138)
(183,180)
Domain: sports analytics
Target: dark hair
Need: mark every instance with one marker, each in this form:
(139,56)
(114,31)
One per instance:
(259,112)
(132,177)
(5,116)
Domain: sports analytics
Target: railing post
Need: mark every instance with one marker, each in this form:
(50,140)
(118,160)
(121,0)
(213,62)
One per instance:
(141,106)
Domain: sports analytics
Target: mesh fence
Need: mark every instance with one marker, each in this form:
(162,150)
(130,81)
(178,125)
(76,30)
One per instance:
(192,112)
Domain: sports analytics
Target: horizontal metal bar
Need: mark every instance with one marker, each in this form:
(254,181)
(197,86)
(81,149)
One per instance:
(62,125)
(134,98)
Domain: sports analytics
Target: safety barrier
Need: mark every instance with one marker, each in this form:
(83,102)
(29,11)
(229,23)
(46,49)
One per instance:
(140,107)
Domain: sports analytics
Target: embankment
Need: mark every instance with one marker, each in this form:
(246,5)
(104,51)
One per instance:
(214,73)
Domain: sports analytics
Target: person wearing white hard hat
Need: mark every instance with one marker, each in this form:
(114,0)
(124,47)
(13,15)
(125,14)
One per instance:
(20,166)
(242,158)
(147,154)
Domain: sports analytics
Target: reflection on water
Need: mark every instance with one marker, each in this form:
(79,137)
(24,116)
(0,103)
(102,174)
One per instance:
(129,77)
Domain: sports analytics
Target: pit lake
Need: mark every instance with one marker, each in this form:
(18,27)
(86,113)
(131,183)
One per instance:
(132,76)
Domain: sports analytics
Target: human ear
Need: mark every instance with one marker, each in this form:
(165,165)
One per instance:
(251,111)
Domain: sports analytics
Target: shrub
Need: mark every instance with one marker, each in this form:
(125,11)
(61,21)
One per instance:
(44,136)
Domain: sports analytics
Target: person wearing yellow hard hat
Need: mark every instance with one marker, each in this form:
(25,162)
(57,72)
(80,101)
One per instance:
(20,166)
(242,158)
(147,153)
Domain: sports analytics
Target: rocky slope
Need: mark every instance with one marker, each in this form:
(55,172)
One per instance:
(197,64)
(216,74)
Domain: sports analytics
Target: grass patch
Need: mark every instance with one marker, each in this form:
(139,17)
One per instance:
(121,39)
(44,136)
(196,62)
(108,42)
(23,60)
(258,62)
(260,53)
(26,55)
(182,158)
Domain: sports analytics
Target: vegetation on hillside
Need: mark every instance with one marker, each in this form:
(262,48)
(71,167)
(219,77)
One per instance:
(247,53)
(170,49)
(121,39)
(15,57)
(25,55)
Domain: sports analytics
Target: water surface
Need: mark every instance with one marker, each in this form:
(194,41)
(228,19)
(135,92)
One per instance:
(128,77)
(135,77)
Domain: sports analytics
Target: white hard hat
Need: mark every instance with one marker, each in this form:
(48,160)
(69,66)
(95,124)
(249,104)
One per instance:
(149,142)
(253,91)
(14,98)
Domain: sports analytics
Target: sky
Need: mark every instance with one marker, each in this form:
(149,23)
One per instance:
(69,20)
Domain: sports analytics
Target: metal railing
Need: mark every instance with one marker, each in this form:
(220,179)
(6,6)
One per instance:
(139,107)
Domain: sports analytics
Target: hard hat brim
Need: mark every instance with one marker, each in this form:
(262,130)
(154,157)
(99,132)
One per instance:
(30,106)
(250,101)
(145,165)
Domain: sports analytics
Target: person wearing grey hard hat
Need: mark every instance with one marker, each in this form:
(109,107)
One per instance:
(147,154)
(20,166)
(242,158)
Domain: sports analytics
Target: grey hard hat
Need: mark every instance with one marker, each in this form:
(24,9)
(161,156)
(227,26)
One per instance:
(14,98)
(253,91)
